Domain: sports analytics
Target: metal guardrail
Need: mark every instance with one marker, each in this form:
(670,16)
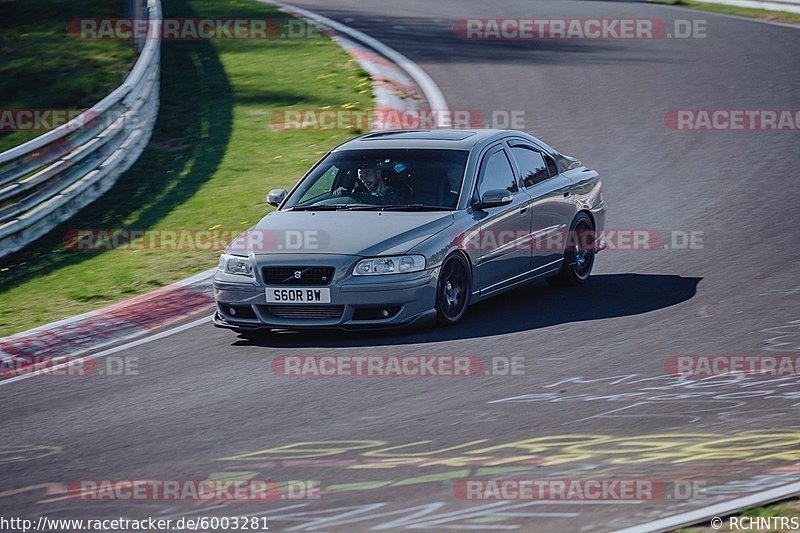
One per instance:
(46,180)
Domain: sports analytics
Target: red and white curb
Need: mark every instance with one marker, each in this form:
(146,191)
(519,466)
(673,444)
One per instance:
(73,337)
(394,91)
(398,85)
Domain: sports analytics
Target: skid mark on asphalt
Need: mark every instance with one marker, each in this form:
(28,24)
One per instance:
(23,452)
(784,338)
(687,400)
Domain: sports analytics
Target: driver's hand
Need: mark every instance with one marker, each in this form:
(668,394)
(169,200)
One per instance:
(341,191)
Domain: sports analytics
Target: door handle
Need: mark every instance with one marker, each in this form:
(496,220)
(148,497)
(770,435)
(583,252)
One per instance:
(567,194)
(523,210)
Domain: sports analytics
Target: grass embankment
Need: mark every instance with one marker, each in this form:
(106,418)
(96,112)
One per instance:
(209,164)
(43,67)
(776,16)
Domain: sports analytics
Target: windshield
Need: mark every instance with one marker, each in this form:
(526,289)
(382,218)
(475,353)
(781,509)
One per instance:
(383,179)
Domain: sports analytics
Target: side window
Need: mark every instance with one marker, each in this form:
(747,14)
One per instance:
(551,166)
(531,165)
(497,174)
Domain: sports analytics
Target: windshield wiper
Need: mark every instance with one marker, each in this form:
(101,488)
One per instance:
(324,207)
(411,207)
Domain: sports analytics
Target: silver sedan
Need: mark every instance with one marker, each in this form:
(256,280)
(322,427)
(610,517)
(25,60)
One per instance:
(405,227)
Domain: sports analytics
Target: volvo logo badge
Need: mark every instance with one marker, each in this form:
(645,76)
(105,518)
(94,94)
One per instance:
(297,274)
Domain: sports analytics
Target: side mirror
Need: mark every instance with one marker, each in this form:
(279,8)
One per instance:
(276,196)
(494,198)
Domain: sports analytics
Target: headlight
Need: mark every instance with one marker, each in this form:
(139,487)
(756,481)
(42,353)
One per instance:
(234,264)
(389,265)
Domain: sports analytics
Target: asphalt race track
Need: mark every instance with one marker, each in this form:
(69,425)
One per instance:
(595,399)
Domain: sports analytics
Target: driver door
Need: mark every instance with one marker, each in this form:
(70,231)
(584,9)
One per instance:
(504,246)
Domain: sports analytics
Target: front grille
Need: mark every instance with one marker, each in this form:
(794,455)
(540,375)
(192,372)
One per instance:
(305,311)
(309,275)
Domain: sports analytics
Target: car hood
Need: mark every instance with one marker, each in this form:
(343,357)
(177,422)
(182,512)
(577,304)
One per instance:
(361,233)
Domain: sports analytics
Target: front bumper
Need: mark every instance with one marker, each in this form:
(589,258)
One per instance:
(599,213)
(356,302)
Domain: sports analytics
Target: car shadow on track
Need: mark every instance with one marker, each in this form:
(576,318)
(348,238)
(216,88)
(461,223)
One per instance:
(529,308)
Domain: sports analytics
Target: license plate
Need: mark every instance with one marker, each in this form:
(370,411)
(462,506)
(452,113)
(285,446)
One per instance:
(298,295)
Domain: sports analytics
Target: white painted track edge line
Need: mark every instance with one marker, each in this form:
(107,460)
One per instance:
(727,508)
(191,280)
(109,351)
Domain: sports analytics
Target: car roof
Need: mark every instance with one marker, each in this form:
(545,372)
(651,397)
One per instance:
(447,139)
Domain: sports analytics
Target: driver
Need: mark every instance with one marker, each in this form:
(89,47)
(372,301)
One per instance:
(377,191)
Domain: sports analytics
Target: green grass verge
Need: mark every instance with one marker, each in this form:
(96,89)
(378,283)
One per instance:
(788,509)
(777,16)
(43,67)
(209,164)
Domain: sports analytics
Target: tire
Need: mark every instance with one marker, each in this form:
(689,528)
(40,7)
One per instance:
(578,255)
(453,290)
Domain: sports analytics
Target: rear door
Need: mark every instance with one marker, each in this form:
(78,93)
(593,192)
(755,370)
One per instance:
(552,204)
(504,245)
